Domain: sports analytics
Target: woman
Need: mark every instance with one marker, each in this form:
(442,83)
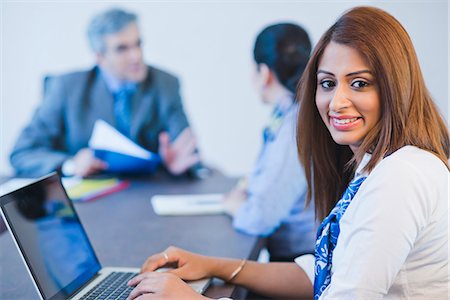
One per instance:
(376,138)
(269,203)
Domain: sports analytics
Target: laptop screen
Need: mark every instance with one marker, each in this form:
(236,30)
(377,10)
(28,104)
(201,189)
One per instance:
(50,237)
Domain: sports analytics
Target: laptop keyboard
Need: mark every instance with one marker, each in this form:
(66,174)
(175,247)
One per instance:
(114,286)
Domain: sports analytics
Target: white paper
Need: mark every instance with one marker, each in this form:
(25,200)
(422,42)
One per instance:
(106,137)
(176,205)
(69,182)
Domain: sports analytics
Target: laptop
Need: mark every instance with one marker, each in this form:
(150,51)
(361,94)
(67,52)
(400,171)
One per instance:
(55,248)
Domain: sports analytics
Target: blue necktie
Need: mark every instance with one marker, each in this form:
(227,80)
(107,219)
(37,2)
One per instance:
(122,110)
(327,236)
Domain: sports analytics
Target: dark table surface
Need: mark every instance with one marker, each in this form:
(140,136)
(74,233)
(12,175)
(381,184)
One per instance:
(124,231)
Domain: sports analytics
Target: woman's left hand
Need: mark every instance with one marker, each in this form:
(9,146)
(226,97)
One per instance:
(161,285)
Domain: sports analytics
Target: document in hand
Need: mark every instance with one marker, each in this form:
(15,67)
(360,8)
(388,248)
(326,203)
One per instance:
(178,205)
(119,152)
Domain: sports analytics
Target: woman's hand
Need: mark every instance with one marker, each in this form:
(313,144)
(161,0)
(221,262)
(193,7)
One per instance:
(159,285)
(189,266)
(234,199)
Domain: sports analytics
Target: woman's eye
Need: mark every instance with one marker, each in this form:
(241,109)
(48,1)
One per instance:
(327,84)
(359,84)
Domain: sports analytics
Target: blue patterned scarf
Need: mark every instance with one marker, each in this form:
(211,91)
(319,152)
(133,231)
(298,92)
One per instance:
(270,132)
(327,236)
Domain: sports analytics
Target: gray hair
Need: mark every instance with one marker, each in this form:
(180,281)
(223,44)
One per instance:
(108,22)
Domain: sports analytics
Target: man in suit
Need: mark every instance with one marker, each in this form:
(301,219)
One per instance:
(141,101)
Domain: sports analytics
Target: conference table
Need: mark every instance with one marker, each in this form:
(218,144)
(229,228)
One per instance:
(124,231)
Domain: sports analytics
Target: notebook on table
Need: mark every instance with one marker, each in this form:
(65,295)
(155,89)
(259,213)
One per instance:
(55,248)
(185,205)
(85,190)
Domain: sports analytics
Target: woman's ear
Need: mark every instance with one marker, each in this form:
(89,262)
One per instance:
(265,81)
(266,75)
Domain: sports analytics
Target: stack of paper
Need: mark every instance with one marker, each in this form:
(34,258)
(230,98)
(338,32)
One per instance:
(119,152)
(84,190)
(78,189)
(176,205)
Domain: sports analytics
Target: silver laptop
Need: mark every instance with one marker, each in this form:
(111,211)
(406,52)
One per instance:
(55,248)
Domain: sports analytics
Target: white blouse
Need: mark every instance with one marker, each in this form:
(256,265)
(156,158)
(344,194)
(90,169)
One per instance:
(394,236)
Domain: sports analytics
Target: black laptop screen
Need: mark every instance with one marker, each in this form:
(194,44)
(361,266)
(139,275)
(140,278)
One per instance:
(50,237)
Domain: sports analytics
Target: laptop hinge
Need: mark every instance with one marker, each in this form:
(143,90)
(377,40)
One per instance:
(84,285)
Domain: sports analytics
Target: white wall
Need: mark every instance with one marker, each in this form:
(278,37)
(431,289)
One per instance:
(207,44)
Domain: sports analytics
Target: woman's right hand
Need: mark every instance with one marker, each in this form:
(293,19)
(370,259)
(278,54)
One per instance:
(189,266)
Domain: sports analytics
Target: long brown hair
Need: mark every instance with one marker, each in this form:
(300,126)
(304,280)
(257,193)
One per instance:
(408,114)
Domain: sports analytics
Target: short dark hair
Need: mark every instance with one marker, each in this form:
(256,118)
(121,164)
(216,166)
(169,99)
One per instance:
(110,21)
(285,49)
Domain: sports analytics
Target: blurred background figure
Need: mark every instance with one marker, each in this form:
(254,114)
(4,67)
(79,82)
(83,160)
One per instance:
(271,201)
(140,101)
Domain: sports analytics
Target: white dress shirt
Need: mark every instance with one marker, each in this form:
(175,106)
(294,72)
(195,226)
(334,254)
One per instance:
(394,236)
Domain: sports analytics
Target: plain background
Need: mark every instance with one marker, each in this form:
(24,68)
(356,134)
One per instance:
(207,44)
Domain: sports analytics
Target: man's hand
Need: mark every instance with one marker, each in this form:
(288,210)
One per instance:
(85,163)
(179,155)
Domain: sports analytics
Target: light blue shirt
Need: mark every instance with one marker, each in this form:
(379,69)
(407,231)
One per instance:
(277,189)
(123,92)
(115,85)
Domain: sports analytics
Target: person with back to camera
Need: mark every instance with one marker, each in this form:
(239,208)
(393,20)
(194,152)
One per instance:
(270,203)
(141,101)
(376,158)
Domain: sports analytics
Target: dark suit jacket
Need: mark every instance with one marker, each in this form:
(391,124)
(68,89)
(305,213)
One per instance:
(63,124)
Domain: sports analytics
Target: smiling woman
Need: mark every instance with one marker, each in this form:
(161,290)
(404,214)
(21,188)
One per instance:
(375,152)
(367,130)
(367,70)
(347,95)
